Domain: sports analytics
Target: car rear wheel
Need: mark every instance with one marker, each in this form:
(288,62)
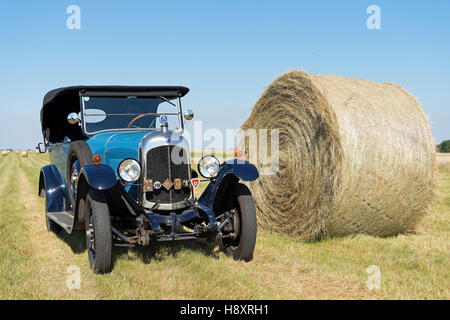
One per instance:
(79,155)
(98,232)
(241,214)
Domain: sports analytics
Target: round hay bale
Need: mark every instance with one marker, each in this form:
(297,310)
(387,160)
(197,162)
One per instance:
(355,157)
(24,154)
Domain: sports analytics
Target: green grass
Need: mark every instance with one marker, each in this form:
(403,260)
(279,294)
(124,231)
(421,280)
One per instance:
(16,280)
(33,262)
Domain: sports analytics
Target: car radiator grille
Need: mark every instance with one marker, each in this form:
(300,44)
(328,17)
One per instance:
(160,167)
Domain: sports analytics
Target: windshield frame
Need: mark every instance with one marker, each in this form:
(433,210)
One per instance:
(179,112)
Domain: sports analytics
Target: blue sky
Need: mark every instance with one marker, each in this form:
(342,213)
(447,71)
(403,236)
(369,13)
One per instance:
(227,52)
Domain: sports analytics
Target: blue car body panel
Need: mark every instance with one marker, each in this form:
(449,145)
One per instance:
(243,170)
(56,190)
(114,147)
(100,177)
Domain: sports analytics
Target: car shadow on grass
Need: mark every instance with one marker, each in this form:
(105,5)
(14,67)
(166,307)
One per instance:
(156,251)
(159,251)
(76,240)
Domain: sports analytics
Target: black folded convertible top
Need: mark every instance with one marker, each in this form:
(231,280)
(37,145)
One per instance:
(58,103)
(72,93)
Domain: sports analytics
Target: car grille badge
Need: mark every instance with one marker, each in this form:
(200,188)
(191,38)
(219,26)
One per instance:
(177,183)
(157,185)
(148,185)
(167,184)
(195,182)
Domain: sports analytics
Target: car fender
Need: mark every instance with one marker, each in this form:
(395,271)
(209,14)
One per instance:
(99,176)
(51,181)
(230,172)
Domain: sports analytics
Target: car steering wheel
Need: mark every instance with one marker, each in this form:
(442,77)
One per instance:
(139,117)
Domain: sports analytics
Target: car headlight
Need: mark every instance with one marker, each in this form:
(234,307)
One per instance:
(209,167)
(129,170)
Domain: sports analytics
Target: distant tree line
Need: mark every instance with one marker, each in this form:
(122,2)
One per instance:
(444,147)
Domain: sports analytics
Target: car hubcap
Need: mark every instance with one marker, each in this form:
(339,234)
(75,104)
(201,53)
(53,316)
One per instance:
(74,178)
(231,228)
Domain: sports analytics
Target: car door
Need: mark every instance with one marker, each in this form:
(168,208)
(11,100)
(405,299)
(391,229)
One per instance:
(58,156)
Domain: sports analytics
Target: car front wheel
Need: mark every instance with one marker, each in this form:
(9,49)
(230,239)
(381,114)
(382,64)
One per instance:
(98,232)
(240,218)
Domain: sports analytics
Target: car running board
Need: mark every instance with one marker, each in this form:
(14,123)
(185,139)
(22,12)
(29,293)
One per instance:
(64,219)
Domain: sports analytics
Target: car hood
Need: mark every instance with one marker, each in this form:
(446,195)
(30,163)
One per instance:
(114,147)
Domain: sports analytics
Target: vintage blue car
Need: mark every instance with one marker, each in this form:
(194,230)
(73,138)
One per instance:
(118,172)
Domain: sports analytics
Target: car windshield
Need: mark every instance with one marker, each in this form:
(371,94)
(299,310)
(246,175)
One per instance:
(125,113)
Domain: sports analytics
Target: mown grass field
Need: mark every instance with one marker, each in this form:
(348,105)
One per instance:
(34,263)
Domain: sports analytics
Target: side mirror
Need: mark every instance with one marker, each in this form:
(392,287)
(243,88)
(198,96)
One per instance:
(72,118)
(189,114)
(41,148)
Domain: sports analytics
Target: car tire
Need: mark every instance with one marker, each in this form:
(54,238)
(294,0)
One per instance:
(240,198)
(98,231)
(79,150)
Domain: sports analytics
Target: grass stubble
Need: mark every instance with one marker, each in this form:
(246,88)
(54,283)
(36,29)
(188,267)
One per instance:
(34,263)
